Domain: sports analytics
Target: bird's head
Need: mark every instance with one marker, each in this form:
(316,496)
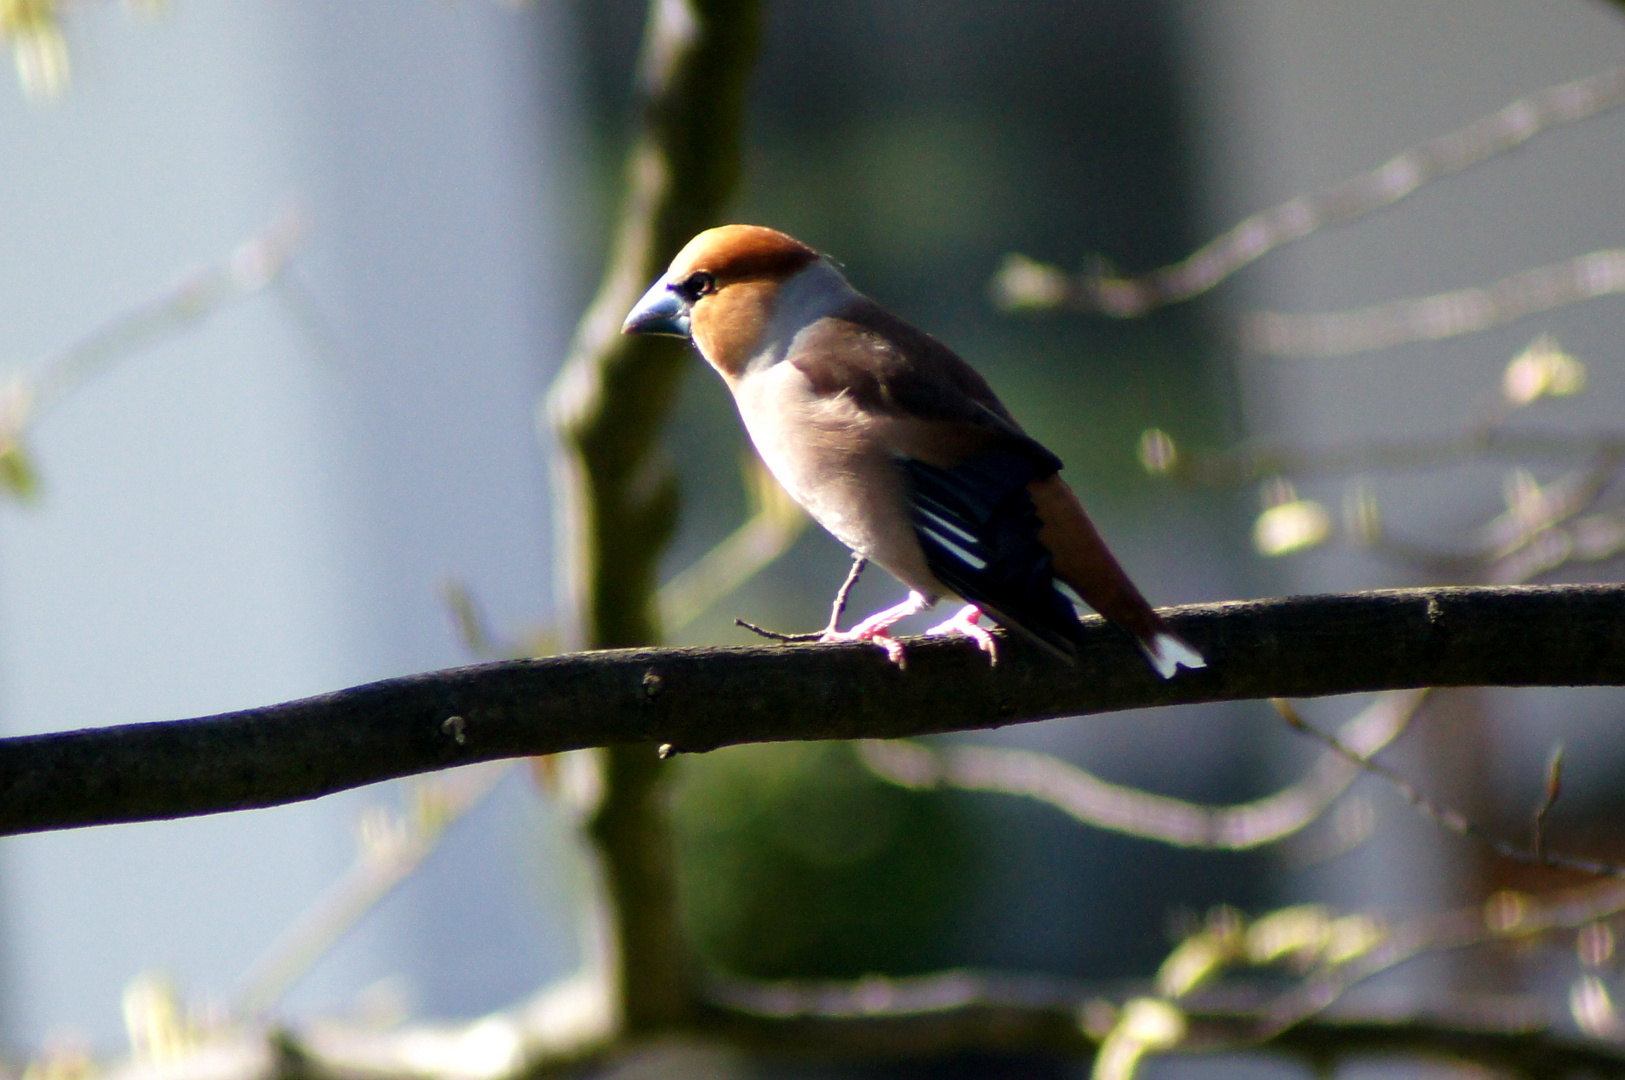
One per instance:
(720,292)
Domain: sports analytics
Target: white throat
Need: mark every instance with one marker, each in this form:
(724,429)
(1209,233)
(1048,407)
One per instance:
(811,293)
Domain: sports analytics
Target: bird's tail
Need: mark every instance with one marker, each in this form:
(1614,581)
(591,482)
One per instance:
(1082,560)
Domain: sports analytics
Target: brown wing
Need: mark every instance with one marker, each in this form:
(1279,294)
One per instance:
(888,366)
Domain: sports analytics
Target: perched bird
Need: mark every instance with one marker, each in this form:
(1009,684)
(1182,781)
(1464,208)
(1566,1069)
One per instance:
(897,446)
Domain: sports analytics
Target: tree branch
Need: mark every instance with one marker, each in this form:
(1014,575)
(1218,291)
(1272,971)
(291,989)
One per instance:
(960,1011)
(1442,315)
(1454,821)
(700,699)
(879,1018)
(1100,804)
(1258,459)
(1025,284)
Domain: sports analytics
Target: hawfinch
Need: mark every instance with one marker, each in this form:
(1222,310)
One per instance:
(895,445)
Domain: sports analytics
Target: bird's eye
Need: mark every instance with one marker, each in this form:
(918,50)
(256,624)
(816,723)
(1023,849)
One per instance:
(699,283)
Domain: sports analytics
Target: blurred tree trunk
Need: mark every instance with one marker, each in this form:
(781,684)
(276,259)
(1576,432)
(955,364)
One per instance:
(618,497)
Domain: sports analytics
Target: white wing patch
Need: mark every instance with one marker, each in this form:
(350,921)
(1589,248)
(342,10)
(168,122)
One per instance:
(1168,654)
(951,536)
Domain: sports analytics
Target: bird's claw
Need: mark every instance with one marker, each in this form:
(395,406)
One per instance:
(965,622)
(877,627)
(876,635)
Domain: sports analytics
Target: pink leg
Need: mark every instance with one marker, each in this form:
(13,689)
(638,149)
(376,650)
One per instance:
(965,622)
(877,626)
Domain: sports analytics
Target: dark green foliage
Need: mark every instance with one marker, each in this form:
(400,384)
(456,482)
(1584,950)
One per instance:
(795,861)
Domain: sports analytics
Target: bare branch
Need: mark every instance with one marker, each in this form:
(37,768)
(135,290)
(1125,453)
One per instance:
(700,699)
(723,569)
(559,1028)
(776,522)
(391,850)
(1442,315)
(837,609)
(1258,460)
(1448,819)
(1545,526)
(1118,808)
(253,265)
(472,629)
(844,593)
(1024,284)
(1512,917)
(959,1011)
(609,403)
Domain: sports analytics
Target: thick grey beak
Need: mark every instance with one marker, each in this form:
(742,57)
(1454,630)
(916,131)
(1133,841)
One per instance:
(661,311)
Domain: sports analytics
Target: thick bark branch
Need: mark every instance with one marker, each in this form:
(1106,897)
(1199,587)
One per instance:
(700,699)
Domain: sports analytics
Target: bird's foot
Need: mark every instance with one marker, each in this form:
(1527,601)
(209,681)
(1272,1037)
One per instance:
(965,621)
(877,628)
(877,636)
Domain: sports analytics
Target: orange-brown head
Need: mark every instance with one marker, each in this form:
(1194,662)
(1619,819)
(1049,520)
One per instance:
(721,291)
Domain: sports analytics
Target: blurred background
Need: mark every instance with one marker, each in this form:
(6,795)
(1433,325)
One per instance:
(270,502)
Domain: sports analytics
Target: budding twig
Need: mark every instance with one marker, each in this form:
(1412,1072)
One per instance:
(1451,820)
(1554,788)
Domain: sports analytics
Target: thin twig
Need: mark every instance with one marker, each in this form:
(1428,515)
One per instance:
(1399,177)
(252,266)
(723,569)
(772,530)
(1530,538)
(1534,508)
(836,610)
(878,1020)
(1541,529)
(382,864)
(967,1010)
(1452,821)
(775,635)
(470,620)
(964,999)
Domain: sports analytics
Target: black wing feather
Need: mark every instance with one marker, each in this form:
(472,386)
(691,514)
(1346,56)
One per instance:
(979,529)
